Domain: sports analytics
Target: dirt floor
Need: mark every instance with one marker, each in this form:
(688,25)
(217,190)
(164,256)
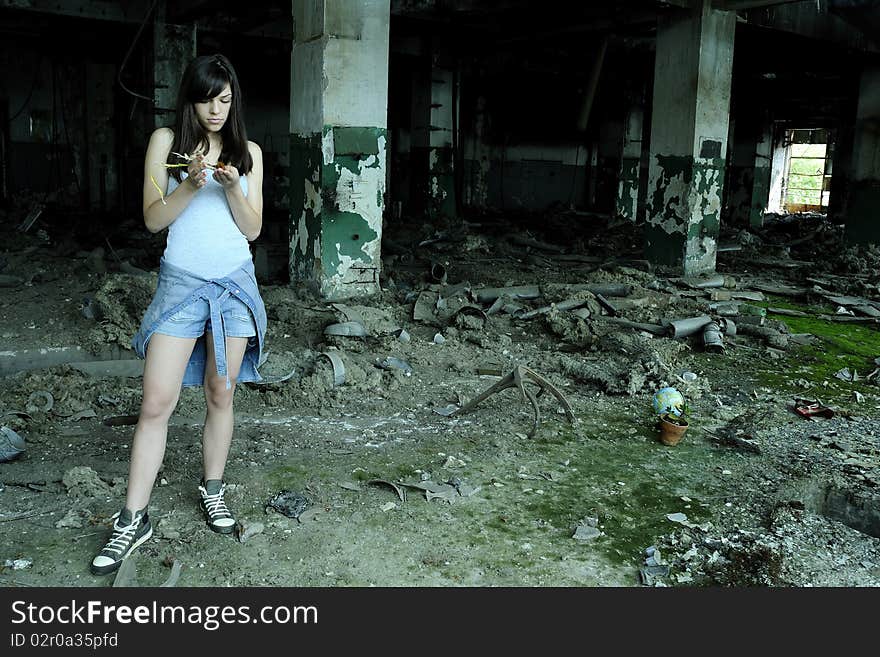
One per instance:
(392,492)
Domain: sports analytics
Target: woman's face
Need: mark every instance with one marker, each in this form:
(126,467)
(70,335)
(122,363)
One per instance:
(212,114)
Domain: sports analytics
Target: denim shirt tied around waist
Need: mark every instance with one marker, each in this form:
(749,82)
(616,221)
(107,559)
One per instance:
(177,289)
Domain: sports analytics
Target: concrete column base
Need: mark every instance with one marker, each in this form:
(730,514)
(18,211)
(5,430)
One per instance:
(684,203)
(337,198)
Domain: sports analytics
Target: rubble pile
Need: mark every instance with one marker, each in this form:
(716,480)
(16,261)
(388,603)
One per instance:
(468,310)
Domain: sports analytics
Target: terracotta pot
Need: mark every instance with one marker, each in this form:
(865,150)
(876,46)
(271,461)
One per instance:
(670,432)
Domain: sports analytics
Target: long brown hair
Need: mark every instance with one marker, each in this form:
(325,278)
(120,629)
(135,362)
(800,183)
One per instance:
(202,80)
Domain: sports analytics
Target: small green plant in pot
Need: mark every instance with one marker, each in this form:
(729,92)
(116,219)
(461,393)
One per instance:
(673,424)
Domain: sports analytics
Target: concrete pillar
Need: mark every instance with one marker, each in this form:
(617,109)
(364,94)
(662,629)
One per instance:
(761,179)
(864,195)
(174,48)
(749,179)
(476,191)
(778,172)
(432,150)
(627,203)
(689,126)
(338,137)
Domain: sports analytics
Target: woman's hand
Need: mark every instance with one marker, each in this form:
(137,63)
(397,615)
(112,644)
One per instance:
(196,172)
(227,175)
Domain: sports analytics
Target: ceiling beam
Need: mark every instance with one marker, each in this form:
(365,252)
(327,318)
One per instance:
(741,5)
(120,12)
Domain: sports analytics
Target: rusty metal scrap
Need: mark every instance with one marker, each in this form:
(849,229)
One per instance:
(519,377)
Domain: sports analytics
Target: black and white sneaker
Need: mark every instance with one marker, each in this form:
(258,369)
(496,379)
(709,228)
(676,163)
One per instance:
(128,533)
(213,505)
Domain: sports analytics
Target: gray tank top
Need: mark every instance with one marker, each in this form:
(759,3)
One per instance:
(205,239)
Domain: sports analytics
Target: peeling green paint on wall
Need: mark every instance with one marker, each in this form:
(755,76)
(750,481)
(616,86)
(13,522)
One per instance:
(627,202)
(336,210)
(305,167)
(356,141)
(701,247)
(684,204)
(668,195)
(441,183)
(708,182)
(344,235)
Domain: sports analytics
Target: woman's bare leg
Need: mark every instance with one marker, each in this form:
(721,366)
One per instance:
(164,368)
(219,418)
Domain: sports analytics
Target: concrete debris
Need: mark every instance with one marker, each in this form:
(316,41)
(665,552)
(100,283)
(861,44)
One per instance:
(653,575)
(74,519)
(288,503)
(346,329)
(392,363)
(376,321)
(627,364)
(591,346)
(398,489)
(337,365)
(771,336)
(584,300)
(83,481)
(452,462)
(123,299)
(845,375)
(126,576)
(246,530)
(171,581)
(40,400)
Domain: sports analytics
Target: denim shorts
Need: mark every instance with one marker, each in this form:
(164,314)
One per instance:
(194,320)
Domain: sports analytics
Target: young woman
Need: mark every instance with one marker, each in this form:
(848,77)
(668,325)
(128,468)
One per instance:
(206,323)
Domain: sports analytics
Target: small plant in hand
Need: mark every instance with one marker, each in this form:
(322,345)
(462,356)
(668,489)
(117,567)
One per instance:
(188,158)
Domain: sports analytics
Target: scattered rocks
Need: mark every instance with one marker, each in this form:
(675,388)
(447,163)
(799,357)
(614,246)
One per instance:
(83,481)
(245,530)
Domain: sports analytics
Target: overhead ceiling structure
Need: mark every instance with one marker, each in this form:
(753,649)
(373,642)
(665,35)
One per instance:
(511,20)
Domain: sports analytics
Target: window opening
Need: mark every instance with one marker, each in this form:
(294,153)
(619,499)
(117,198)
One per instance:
(808,171)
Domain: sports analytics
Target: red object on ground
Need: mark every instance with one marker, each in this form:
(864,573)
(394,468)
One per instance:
(807,408)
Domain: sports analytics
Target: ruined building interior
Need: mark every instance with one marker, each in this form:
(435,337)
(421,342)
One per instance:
(492,232)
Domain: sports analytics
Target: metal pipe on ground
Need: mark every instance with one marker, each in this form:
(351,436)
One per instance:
(655,329)
(712,338)
(568,304)
(605,289)
(489,294)
(680,328)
